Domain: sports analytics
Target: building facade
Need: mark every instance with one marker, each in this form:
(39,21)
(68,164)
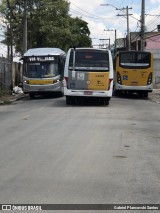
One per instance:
(152,44)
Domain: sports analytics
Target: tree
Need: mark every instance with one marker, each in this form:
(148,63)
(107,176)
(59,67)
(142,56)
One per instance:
(80,33)
(49,24)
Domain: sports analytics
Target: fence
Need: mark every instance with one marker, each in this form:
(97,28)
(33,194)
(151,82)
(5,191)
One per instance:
(10,74)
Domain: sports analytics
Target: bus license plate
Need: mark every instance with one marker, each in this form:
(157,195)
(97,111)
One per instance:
(88,93)
(134,83)
(41,89)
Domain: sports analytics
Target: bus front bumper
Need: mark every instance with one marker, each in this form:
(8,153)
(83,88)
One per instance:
(57,87)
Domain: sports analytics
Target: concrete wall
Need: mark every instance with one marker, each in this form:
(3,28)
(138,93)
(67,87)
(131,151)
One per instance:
(156,77)
(153,42)
(5,74)
(153,45)
(10,74)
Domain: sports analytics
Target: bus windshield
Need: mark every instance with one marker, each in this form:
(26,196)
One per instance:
(41,70)
(135,59)
(95,60)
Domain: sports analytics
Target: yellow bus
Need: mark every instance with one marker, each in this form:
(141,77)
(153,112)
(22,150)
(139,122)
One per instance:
(88,73)
(133,72)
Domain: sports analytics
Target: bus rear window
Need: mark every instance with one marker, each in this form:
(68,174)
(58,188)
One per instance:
(89,60)
(135,60)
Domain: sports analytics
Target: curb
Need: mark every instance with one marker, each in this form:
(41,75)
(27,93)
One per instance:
(18,97)
(11,100)
(155,96)
(153,100)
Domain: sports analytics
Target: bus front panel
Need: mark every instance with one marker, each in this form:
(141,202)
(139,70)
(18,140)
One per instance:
(42,74)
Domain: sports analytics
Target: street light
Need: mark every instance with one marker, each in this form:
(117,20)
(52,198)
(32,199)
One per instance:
(109,5)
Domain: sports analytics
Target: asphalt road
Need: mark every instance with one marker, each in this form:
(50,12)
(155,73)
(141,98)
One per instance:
(85,154)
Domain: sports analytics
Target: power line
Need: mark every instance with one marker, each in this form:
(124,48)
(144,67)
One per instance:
(152,21)
(92,17)
(85,11)
(152,15)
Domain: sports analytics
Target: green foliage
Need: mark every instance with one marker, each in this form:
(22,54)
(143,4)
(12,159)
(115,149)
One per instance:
(49,24)
(80,33)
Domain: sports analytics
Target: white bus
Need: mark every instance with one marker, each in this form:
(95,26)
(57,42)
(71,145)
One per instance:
(43,71)
(88,73)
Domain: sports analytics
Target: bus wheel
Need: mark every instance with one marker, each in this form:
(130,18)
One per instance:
(145,94)
(114,93)
(60,94)
(117,93)
(68,100)
(31,95)
(106,101)
(141,94)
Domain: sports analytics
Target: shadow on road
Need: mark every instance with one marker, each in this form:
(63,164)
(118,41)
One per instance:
(131,96)
(44,96)
(83,102)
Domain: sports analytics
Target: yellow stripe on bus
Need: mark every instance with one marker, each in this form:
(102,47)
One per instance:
(40,82)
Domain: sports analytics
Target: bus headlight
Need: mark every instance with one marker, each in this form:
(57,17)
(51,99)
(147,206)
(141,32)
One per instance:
(149,79)
(26,81)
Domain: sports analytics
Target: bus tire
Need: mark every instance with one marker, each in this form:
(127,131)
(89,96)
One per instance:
(145,94)
(32,95)
(106,101)
(60,94)
(68,100)
(116,93)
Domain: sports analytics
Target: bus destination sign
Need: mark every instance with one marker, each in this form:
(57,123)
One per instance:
(40,58)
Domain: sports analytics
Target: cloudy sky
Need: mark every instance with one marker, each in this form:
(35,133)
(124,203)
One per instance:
(101,17)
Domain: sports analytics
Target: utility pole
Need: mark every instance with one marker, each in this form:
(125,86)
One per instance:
(9,28)
(143,26)
(10,42)
(128,33)
(115,46)
(25,27)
